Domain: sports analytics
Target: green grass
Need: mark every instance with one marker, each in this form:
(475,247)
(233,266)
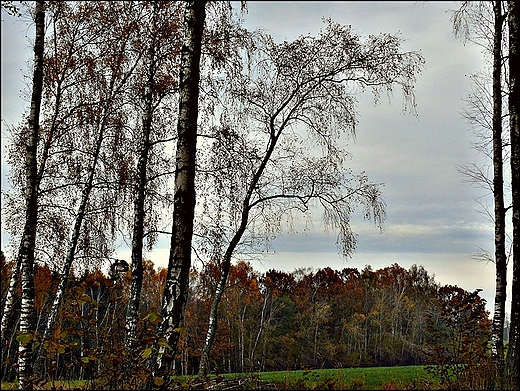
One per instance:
(375,378)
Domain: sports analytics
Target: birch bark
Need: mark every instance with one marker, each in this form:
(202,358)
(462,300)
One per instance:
(497,336)
(28,241)
(179,262)
(512,362)
(140,186)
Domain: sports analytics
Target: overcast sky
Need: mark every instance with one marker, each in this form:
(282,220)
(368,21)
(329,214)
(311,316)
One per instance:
(432,215)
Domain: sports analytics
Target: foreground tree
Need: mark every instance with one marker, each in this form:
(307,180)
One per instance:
(267,170)
(25,258)
(179,261)
(79,119)
(497,335)
(28,239)
(512,359)
(483,24)
(140,187)
(108,77)
(159,82)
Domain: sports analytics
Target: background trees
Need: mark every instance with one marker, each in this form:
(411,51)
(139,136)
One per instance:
(276,320)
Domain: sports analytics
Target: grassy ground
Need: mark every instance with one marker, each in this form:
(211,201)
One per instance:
(60,385)
(377,378)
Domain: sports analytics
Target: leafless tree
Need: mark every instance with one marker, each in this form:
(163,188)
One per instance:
(277,152)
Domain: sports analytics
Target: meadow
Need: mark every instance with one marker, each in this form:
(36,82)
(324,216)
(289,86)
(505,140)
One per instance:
(372,378)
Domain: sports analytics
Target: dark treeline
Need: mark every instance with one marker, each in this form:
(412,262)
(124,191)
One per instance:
(277,320)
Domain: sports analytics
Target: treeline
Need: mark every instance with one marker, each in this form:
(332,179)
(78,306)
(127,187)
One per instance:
(277,320)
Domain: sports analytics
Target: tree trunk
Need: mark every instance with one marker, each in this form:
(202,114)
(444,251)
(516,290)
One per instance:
(263,322)
(179,262)
(213,314)
(497,337)
(28,240)
(139,213)
(226,264)
(9,305)
(64,276)
(512,363)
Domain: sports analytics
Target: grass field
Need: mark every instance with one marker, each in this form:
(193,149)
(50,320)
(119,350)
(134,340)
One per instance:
(376,378)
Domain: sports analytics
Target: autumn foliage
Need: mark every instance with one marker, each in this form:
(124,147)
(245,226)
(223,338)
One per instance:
(277,320)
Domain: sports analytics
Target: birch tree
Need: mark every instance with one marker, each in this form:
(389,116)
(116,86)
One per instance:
(179,261)
(159,82)
(497,336)
(278,144)
(138,229)
(27,243)
(484,24)
(72,57)
(108,76)
(512,359)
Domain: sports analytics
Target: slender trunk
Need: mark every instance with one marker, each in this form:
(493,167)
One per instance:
(179,262)
(28,241)
(50,136)
(497,337)
(213,320)
(260,329)
(62,286)
(242,338)
(226,264)
(316,339)
(10,300)
(139,213)
(10,320)
(512,362)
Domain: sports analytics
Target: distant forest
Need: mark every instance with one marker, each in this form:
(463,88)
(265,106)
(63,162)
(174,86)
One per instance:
(309,318)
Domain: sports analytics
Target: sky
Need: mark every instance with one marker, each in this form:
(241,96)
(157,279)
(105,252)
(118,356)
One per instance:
(433,215)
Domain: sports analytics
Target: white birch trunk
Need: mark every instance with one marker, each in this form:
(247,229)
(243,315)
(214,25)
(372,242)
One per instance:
(139,213)
(512,359)
(497,335)
(179,262)
(51,320)
(27,244)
